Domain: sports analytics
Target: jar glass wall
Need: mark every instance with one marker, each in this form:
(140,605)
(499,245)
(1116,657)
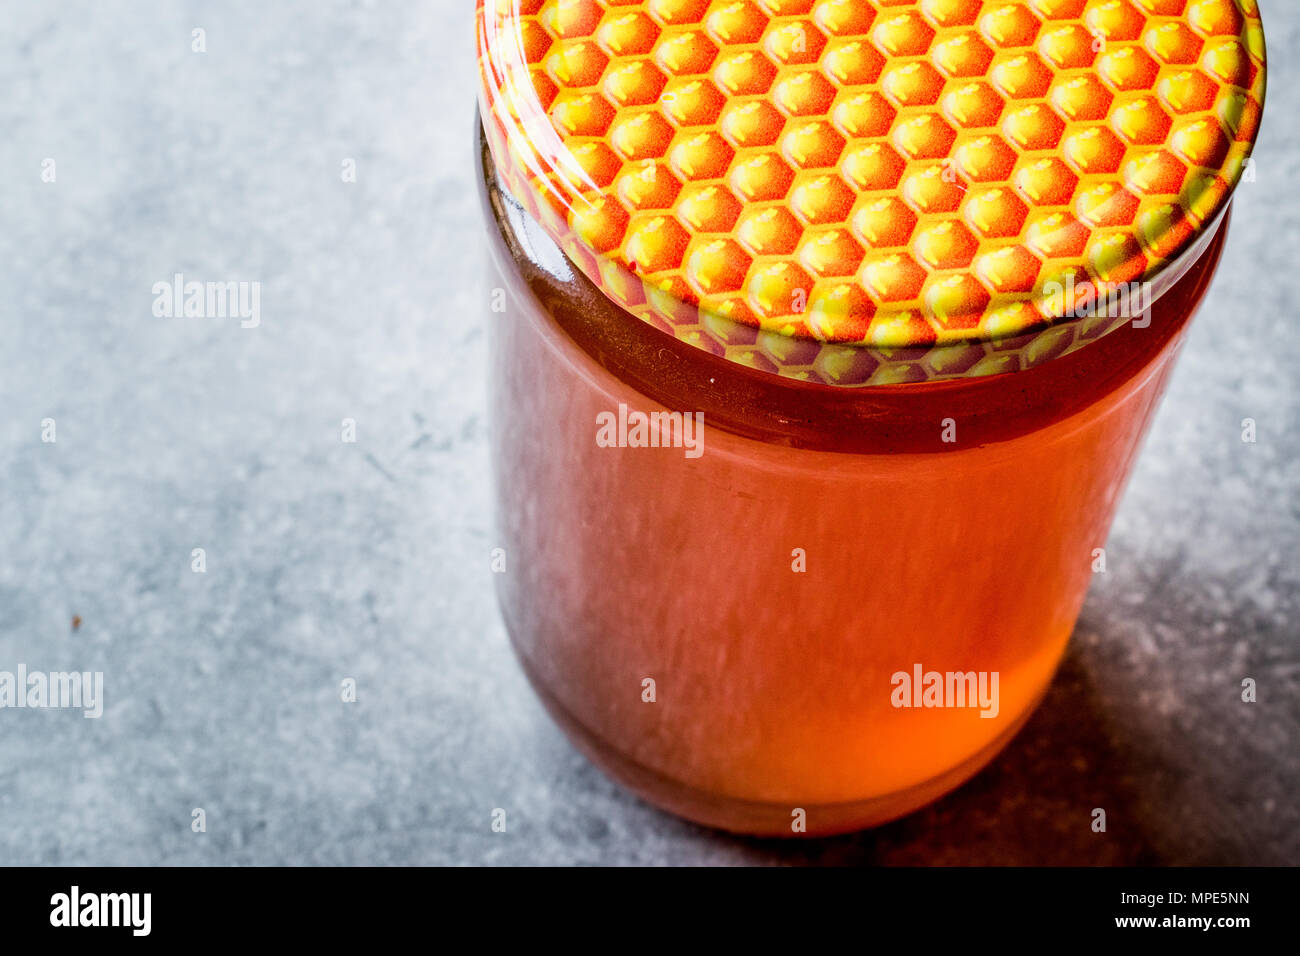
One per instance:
(743,632)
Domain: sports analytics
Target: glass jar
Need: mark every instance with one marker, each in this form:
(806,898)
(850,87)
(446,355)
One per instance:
(759,598)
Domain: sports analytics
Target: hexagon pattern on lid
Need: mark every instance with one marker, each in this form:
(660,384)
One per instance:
(862,192)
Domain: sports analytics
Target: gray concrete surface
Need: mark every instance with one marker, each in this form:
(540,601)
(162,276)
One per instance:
(328,560)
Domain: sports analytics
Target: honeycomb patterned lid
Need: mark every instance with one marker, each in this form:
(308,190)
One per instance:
(862,192)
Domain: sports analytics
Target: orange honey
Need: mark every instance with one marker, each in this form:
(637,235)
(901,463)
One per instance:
(773,686)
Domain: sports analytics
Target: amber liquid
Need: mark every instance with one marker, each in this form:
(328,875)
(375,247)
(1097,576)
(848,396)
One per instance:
(773,687)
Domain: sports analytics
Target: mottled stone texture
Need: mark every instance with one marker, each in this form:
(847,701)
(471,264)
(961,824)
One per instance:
(328,560)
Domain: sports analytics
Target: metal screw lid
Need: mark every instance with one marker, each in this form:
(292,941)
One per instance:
(860,192)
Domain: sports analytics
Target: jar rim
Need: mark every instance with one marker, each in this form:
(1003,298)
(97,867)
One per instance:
(874,419)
